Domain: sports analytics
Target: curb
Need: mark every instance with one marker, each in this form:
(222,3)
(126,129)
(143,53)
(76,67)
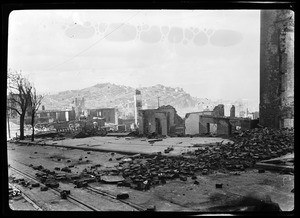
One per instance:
(92,149)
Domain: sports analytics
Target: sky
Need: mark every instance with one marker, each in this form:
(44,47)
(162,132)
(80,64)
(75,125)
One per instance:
(209,53)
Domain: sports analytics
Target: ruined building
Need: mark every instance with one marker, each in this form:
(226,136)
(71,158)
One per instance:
(79,107)
(110,115)
(161,121)
(277,69)
(232,111)
(219,110)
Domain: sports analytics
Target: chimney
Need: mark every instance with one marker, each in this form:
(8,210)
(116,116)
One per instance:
(137,105)
(232,111)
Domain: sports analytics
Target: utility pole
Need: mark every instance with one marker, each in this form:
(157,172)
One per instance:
(158,101)
(8,126)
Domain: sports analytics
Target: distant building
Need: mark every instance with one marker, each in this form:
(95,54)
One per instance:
(214,122)
(49,116)
(256,115)
(110,114)
(161,121)
(192,122)
(79,107)
(128,123)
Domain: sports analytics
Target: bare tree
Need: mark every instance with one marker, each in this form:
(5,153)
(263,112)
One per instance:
(35,102)
(19,90)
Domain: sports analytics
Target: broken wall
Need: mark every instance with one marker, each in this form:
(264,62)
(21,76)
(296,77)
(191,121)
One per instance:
(192,124)
(203,121)
(223,126)
(219,111)
(162,116)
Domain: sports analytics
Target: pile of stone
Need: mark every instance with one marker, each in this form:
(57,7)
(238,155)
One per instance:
(249,147)
(143,171)
(13,192)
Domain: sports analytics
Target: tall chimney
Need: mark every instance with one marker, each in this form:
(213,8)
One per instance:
(232,111)
(137,105)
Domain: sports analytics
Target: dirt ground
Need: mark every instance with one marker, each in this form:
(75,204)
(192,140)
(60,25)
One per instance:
(175,195)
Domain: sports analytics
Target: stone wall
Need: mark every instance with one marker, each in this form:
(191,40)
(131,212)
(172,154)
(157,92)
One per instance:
(277,68)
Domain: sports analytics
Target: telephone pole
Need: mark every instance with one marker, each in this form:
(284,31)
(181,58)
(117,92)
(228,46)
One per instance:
(8,126)
(158,101)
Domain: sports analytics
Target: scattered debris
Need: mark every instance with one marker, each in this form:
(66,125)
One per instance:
(168,150)
(127,160)
(44,188)
(52,184)
(66,169)
(64,194)
(122,196)
(35,185)
(14,192)
(219,185)
(112,179)
(151,208)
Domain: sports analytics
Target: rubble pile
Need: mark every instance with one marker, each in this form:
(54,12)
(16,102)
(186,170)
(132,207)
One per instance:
(143,171)
(249,147)
(13,192)
(88,131)
(50,178)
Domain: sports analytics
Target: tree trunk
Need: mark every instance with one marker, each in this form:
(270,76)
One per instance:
(32,124)
(22,117)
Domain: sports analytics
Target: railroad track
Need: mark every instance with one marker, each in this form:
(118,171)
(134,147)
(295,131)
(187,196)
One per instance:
(70,198)
(77,201)
(136,206)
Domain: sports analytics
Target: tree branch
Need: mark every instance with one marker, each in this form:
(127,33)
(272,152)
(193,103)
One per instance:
(11,108)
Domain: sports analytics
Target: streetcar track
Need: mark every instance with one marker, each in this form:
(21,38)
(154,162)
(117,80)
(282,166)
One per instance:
(138,207)
(70,198)
(37,207)
(78,202)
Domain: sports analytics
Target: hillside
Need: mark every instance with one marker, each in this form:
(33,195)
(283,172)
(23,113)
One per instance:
(111,95)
